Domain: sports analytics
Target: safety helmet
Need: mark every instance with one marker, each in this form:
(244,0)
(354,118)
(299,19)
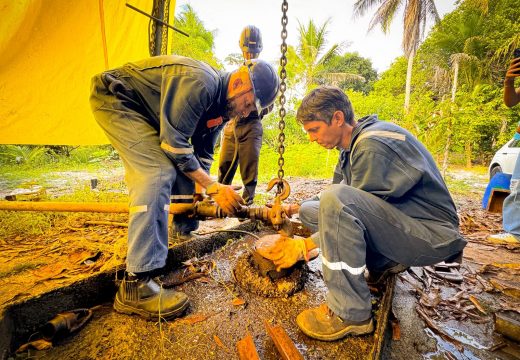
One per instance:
(265,82)
(251,40)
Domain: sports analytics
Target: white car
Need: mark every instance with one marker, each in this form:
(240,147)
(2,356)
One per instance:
(505,158)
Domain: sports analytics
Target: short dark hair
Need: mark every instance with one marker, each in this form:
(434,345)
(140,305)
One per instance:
(321,103)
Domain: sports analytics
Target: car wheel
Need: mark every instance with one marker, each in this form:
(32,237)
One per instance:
(495,170)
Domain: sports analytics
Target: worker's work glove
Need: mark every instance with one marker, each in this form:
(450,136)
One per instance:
(283,251)
(225,197)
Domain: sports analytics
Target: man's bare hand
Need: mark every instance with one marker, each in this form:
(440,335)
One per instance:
(514,69)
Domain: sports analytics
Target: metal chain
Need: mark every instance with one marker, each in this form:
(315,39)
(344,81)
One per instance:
(283,87)
(161,10)
(166,19)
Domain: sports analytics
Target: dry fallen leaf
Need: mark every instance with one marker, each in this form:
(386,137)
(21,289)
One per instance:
(80,256)
(477,304)
(204,280)
(50,271)
(37,344)
(220,343)
(192,319)
(238,301)
(508,289)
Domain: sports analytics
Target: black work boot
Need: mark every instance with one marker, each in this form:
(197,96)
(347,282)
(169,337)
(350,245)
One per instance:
(378,277)
(145,297)
(455,258)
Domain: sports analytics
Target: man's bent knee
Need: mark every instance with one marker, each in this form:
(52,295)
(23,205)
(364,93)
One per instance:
(308,214)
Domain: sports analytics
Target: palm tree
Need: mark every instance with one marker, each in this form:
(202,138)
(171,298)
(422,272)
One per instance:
(416,12)
(308,62)
(456,60)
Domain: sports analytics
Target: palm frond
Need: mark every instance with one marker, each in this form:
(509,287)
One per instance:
(412,23)
(334,50)
(385,14)
(337,78)
(505,51)
(362,6)
(431,10)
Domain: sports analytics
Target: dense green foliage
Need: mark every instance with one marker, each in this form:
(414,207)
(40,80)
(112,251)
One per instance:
(353,64)
(201,43)
(473,123)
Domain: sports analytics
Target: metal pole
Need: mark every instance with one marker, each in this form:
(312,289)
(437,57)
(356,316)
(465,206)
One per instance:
(158,20)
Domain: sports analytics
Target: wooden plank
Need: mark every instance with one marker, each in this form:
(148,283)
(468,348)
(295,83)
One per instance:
(283,342)
(496,200)
(246,348)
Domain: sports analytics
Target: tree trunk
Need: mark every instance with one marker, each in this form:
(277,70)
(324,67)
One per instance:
(408,82)
(467,151)
(455,80)
(446,151)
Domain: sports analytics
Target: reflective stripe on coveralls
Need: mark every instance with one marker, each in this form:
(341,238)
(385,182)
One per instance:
(341,265)
(175,150)
(139,208)
(181,197)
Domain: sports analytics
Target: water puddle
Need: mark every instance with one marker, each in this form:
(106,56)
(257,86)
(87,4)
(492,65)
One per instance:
(445,347)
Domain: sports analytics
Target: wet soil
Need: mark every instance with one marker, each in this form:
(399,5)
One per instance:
(220,314)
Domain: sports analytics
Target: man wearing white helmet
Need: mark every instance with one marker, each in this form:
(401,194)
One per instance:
(242,136)
(163,116)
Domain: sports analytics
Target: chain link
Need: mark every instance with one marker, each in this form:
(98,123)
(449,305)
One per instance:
(159,7)
(283,87)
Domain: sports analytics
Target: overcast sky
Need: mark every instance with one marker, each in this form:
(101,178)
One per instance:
(228,18)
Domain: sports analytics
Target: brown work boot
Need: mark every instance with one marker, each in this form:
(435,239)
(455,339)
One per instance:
(145,297)
(322,324)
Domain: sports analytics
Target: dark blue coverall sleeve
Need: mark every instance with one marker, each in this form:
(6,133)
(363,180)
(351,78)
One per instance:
(184,101)
(204,147)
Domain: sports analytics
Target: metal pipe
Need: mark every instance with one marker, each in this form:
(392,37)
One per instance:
(157,20)
(81,207)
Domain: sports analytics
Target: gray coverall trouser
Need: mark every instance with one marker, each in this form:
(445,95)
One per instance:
(241,143)
(358,230)
(149,173)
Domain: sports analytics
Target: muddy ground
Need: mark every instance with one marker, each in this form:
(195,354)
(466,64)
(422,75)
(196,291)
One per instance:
(459,317)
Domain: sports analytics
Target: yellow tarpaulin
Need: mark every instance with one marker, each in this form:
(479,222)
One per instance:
(49,50)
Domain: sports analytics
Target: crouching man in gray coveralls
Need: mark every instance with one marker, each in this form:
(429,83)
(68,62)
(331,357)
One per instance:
(163,116)
(391,210)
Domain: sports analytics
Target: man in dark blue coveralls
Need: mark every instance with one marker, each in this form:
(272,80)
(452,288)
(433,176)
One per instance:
(242,137)
(391,210)
(163,116)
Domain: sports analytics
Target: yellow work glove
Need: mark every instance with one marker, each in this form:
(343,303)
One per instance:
(225,197)
(283,251)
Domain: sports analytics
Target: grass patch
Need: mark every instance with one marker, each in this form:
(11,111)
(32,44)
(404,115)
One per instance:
(307,160)
(301,160)
(34,223)
(458,187)
(18,268)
